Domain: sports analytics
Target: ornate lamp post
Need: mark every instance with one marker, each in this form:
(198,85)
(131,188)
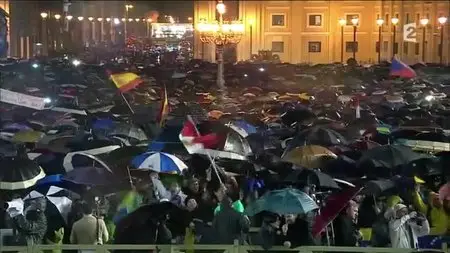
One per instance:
(442,21)
(424,23)
(394,22)
(342,23)
(220,34)
(355,22)
(380,23)
(127,9)
(44,38)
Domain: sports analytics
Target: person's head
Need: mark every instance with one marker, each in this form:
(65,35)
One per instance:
(86,208)
(191,205)
(194,185)
(352,210)
(174,187)
(400,210)
(226,202)
(290,218)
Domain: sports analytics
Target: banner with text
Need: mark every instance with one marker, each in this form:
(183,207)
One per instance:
(20,99)
(410,32)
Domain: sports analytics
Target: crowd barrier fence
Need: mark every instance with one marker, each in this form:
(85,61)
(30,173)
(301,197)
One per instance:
(235,248)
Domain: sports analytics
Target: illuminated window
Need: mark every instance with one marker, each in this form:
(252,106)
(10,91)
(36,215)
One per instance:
(277,46)
(314,46)
(315,19)
(278,20)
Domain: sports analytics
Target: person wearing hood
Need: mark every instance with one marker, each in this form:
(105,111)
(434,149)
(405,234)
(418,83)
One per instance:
(404,228)
(32,225)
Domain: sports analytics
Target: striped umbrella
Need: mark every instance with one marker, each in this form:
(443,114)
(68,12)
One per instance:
(159,162)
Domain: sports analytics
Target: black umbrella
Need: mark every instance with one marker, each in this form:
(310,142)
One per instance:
(297,116)
(377,187)
(311,177)
(389,156)
(317,136)
(19,173)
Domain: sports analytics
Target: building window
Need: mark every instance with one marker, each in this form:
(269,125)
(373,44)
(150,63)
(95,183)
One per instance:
(407,18)
(385,46)
(315,19)
(349,45)
(416,48)
(349,18)
(405,48)
(277,46)
(314,46)
(278,20)
(386,20)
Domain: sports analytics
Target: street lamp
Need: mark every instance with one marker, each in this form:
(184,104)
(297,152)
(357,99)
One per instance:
(116,21)
(342,23)
(442,21)
(250,22)
(70,17)
(355,22)
(137,19)
(380,23)
(127,9)
(90,18)
(130,20)
(44,15)
(57,16)
(44,37)
(394,22)
(108,19)
(80,18)
(424,23)
(220,34)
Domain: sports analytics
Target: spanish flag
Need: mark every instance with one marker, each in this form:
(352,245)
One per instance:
(164,107)
(126,81)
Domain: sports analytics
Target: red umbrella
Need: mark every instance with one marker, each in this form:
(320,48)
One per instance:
(335,204)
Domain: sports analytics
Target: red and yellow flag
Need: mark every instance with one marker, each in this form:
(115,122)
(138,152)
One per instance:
(164,107)
(126,81)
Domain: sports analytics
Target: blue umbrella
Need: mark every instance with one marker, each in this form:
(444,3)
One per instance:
(159,162)
(243,128)
(284,201)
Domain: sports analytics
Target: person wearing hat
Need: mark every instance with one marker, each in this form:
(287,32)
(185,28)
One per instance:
(404,228)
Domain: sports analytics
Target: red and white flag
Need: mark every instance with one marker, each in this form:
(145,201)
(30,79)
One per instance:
(194,142)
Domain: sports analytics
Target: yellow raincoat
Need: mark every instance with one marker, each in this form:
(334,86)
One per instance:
(439,218)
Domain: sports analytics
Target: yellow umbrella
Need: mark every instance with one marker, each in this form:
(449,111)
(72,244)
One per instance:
(311,156)
(28,136)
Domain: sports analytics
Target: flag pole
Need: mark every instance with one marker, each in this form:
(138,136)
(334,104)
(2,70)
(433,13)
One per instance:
(126,101)
(213,164)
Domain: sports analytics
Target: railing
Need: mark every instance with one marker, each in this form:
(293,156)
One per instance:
(235,248)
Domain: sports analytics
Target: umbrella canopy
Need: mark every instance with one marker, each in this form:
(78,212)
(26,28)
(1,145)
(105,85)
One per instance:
(19,173)
(129,131)
(159,162)
(91,176)
(389,156)
(311,156)
(284,201)
(376,187)
(312,177)
(317,136)
(58,197)
(28,136)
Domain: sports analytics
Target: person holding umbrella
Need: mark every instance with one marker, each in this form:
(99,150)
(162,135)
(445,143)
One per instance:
(32,224)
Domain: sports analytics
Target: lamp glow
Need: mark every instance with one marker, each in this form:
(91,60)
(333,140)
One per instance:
(70,17)
(35,65)
(137,19)
(261,69)
(108,19)
(80,18)
(149,20)
(116,21)
(99,19)
(394,20)
(44,14)
(380,22)
(424,21)
(355,21)
(57,16)
(442,20)
(130,20)
(124,19)
(47,100)
(221,9)
(342,21)
(90,18)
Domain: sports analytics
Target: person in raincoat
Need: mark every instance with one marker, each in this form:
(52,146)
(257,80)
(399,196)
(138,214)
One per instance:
(229,224)
(404,228)
(434,212)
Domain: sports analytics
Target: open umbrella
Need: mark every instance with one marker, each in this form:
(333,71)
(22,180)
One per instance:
(284,201)
(19,173)
(312,177)
(317,136)
(311,156)
(28,136)
(159,162)
(91,176)
(389,156)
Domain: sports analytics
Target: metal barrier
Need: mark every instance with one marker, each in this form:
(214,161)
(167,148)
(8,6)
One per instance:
(235,248)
